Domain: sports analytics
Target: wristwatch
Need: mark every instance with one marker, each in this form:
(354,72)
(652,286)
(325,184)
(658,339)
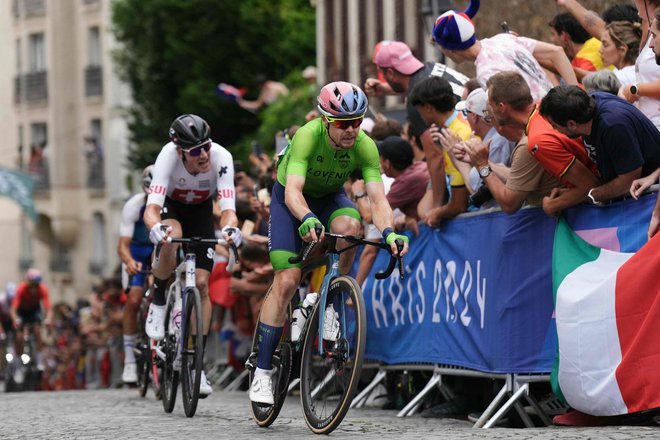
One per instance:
(591,198)
(634,89)
(359,195)
(485,171)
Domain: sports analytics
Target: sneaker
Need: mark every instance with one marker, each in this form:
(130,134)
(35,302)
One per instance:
(205,388)
(130,373)
(155,325)
(330,324)
(261,389)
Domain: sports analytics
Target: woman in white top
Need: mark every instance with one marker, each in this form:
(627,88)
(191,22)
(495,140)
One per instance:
(620,48)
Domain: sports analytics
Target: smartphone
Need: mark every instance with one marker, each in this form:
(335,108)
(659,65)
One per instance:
(257,149)
(255,191)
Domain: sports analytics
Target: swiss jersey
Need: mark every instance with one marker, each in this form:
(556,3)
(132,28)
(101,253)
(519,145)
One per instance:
(171,179)
(132,223)
(27,299)
(325,169)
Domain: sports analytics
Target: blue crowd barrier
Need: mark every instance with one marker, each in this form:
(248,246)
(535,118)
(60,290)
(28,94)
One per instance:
(478,290)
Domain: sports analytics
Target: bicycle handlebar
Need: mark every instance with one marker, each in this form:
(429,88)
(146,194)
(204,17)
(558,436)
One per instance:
(308,247)
(196,241)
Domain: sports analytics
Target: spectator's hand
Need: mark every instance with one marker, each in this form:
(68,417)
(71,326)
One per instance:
(412,224)
(639,185)
(560,2)
(266,269)
(477,151)
(548,202)
(373,87)
(312,114)
(434,217)
(446,138)
(654,225)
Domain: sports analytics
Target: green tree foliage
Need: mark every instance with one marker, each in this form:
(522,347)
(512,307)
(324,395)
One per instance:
(174,53)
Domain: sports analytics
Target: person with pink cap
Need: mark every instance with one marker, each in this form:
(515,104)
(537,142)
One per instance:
(455,33)
(400,71)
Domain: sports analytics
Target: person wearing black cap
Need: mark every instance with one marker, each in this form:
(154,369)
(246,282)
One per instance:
(410,178)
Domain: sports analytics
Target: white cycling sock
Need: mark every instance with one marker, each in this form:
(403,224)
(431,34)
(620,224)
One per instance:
(129,345)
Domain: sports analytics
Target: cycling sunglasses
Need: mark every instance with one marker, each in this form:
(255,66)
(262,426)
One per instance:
(197,149)
(343,124)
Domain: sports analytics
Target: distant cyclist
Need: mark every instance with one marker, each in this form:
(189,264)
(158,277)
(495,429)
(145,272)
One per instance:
(134,251)
(190,173)
(28,307)
(309,192)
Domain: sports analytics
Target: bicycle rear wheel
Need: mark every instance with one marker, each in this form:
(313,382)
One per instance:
(328,382)
(142,353)
(170,375)
(193,352)
(264,416)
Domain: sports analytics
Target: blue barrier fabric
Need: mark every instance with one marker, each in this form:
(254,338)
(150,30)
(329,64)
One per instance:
(478,291)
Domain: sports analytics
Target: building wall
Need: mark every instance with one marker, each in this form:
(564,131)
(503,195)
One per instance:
(78,216)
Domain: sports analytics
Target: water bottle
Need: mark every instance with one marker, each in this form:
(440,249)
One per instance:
(301,314)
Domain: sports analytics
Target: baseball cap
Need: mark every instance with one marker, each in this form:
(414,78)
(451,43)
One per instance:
(309,72)
(476,102)
(454,31)
(396,55)
(397,150)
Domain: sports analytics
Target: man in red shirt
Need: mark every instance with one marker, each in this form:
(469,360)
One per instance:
(26,308)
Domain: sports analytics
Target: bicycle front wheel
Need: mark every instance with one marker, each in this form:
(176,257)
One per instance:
(193,352)
(329,381)
(170,375)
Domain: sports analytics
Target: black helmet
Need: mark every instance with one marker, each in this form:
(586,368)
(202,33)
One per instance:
(189,131)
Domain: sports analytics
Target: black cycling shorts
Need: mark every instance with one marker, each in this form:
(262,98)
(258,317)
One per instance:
(196,221)
(30,316)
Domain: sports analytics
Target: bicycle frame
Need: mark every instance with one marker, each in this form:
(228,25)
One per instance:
(185,272)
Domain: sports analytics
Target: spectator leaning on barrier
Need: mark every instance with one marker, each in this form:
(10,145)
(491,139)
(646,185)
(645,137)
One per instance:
(625,143)
(401,72)
(433,99)
(564,158)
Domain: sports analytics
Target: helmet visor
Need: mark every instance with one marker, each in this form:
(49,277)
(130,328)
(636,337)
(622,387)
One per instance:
(343,124)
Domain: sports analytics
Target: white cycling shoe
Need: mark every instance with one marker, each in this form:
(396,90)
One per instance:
(130,373)
(155,325)
(261,389)
(205,388)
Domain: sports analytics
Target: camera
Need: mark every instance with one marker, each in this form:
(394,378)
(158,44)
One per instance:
(480,196)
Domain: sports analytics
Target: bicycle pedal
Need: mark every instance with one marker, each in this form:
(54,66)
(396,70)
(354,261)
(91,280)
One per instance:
(203,396)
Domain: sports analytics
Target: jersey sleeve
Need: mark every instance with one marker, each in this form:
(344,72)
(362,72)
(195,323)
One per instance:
(551,154)
(20,292)
(224,165)
(163,168)
(369,160)
(300,150)
(130,214)
(45,298)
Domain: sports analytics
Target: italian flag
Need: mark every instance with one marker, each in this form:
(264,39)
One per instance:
(607,307)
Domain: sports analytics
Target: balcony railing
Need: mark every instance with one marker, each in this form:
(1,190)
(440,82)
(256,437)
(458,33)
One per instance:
(93,81)
(36,86)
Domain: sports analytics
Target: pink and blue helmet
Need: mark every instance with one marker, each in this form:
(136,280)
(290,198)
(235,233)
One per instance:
(341,99)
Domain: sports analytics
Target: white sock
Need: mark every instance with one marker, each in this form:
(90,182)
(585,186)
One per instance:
(129,345)
(260,372)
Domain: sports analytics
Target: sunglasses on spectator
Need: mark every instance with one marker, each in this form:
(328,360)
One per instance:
(197,149)
(343,124)
(486,117)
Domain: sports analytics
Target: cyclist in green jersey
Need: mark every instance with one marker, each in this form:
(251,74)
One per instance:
(309,192)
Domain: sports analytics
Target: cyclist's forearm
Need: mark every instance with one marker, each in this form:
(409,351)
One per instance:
(151,215)
(228,218)
(124,250)
(382,214)
(296,203)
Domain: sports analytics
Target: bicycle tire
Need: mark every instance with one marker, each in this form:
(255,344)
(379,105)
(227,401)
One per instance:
(192,358)
(328,383)
(264,416)
(170,376)
(156,374)
(143,366)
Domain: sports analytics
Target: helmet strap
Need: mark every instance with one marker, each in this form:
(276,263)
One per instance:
(327,127)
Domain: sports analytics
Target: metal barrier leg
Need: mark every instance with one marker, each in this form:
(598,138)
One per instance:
(507,406)
(361,399)
(523,415)
(491,407)
(412,406)
(225,375)
(236,383)
(539,411)
(294,383)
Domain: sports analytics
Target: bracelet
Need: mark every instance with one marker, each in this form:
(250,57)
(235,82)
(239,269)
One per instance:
(386,232)
(591,197)
(310,214)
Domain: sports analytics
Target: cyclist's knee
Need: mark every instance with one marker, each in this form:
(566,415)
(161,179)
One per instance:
(345,225)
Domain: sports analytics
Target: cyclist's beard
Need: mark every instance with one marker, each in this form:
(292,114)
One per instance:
(337,145)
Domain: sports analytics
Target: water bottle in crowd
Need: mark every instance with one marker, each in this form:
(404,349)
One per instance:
(301,314)
(176,315)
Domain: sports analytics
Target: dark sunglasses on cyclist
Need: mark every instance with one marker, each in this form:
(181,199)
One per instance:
(343,124)
(197,150)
